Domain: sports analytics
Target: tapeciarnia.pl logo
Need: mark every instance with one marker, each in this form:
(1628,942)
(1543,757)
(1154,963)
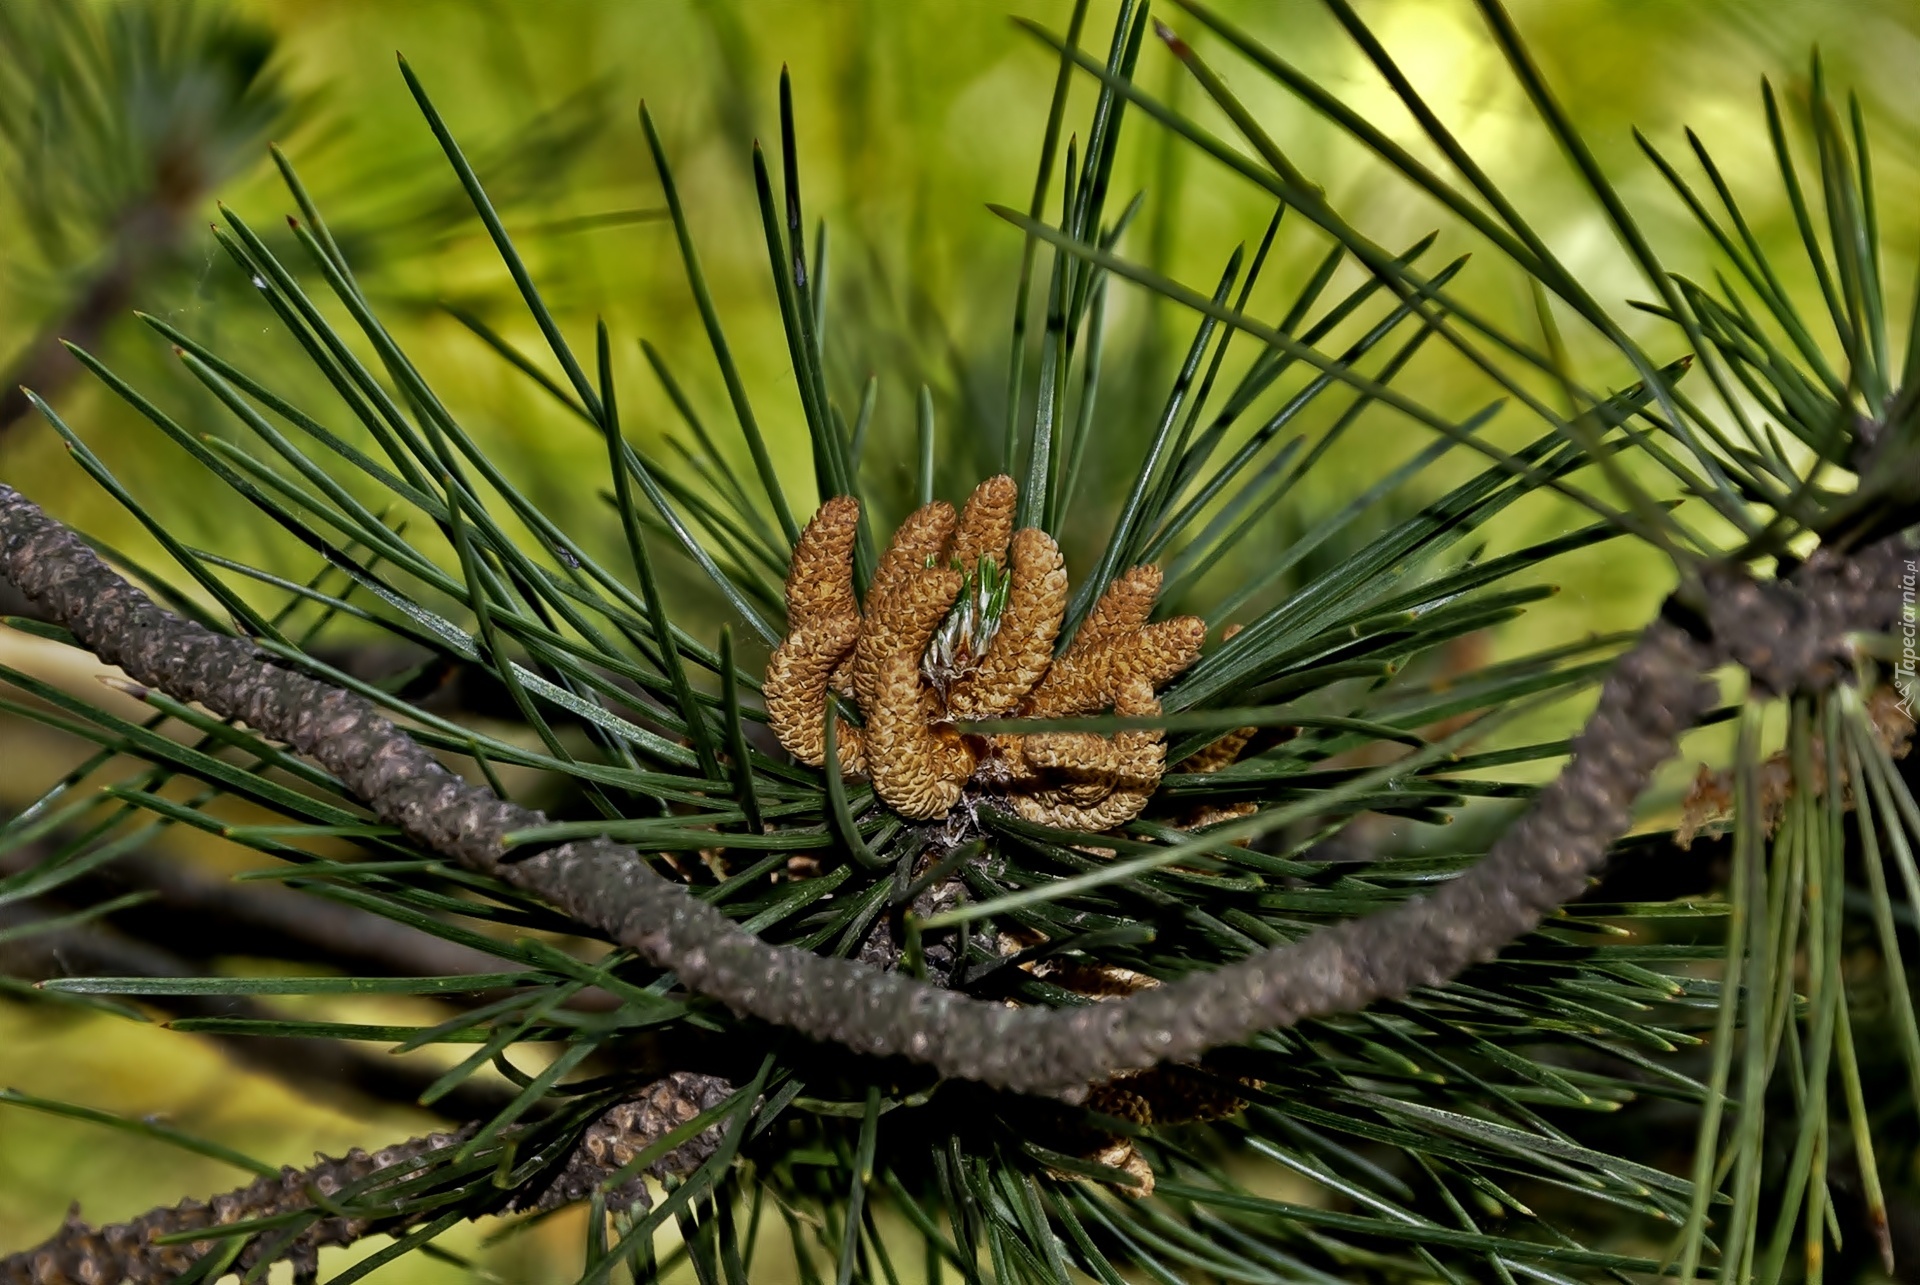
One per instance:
(1903,671)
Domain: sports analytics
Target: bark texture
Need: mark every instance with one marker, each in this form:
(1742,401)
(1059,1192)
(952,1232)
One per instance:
(131,1253)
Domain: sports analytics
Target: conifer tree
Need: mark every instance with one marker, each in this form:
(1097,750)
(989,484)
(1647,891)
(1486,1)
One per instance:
(1035,909)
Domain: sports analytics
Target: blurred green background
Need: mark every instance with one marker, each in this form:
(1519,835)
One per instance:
(911,118)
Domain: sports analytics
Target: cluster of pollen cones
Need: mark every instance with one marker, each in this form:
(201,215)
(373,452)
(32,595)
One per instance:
(995,660)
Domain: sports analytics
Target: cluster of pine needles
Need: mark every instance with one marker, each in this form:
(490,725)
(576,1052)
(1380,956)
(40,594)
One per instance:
(933,785)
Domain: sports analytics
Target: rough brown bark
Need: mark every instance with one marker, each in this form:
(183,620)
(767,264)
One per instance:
(129,1253)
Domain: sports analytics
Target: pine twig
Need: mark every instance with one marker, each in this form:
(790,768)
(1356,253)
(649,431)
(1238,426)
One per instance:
(1790,635)
(129,1253)
(196,915)
(330,1069)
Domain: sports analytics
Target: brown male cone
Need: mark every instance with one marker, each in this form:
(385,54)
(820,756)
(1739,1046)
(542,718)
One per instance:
(1022,650)
(919,543)
(918,767)
(919,762)
(986,523)
(824,617)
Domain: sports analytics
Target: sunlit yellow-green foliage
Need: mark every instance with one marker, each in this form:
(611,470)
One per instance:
(912,117)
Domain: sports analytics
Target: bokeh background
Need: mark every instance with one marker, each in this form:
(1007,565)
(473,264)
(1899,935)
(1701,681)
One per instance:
(912,117)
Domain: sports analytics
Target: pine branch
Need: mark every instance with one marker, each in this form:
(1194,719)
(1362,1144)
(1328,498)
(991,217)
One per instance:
(1790,635)
(332,1069)
(196,916)
(345,1199)
(148,234)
